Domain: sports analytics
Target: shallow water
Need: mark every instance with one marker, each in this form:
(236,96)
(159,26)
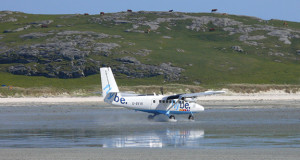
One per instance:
(72,126)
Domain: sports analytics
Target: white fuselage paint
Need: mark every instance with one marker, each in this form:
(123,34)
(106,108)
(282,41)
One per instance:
(156,104)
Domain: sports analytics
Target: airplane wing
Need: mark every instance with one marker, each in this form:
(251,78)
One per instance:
(207,93)
(191,95)
(194,95)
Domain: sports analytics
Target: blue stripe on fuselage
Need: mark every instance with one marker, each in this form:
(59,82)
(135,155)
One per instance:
(164,112)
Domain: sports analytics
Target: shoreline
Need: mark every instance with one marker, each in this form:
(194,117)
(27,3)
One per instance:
(226,99)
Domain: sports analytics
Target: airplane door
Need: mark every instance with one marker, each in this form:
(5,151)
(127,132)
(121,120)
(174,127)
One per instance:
(154,103)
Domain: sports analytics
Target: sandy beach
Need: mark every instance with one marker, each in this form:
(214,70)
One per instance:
(227,98)
(138,153)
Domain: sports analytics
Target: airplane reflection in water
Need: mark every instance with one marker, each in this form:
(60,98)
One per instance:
(176,138)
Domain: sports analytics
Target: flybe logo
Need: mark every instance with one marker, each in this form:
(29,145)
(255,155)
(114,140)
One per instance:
(116,98)
(181,106)
(107,87)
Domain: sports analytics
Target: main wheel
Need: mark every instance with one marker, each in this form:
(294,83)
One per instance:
(191,117)
(172,117)
(150,117)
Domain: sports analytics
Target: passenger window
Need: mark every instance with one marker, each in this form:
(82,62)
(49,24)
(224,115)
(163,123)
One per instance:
(163,101)
(159,101)
(153,101)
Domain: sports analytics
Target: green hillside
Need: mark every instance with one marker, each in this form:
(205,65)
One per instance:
(150,48)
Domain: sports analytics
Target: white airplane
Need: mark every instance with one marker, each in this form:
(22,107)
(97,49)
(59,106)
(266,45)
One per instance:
(155,104)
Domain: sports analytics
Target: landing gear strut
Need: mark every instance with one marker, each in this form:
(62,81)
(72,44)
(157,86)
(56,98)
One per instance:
(151,117)
(191,117)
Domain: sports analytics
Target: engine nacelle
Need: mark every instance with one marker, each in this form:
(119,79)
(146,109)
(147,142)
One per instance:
(189,99)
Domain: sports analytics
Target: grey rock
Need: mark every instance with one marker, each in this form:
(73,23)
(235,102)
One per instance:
(11,19)
(97,35)
(45,22)
(199,23)
(129,60)
(35,35)
(119,21)
(252,43)
(180,50)
(276,54)
(283,35)
(166,37)
(139,70)
(251,38)
(18,29)
(143,52)
(66,46)
(19,70)
(6,16)
(237,48)
(104,47)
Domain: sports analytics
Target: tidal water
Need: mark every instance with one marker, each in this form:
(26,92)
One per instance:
(81,126)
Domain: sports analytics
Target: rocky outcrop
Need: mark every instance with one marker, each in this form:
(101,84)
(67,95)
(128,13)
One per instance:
(129,60)
(237,48)
(45,22)
(18,29)
(199,24)
(133,68)
(7,16)
(251,38)
(35,35)
(142,52)
(283,34)
(64,55)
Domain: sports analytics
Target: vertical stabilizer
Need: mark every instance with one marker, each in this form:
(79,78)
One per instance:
(108,81)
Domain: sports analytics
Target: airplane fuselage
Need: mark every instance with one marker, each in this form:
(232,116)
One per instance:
(156,104)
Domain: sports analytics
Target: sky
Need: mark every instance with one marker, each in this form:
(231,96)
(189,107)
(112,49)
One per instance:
(266,9)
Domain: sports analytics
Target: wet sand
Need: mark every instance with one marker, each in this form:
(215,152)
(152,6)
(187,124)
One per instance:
(140,153)
(240,129)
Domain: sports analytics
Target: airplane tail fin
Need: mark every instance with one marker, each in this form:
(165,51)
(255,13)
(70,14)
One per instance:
(108,81)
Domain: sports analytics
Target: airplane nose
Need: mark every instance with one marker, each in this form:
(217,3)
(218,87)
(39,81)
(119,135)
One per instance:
(199,107)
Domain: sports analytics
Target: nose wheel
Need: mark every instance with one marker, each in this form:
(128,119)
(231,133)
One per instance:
(151,117)
(191,117)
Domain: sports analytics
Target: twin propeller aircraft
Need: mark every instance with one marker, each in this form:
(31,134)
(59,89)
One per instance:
(154,104)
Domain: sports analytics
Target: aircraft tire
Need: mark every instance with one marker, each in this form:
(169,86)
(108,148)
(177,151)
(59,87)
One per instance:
(172,117)
(150,117)
(191,117)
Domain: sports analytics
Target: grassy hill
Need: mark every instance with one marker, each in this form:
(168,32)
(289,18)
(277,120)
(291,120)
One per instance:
(64,52)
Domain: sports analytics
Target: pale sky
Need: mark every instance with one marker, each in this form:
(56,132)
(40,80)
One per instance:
(265,9)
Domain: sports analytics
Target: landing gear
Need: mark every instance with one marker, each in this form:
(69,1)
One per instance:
(151,117)
(191,117)
(172,117)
